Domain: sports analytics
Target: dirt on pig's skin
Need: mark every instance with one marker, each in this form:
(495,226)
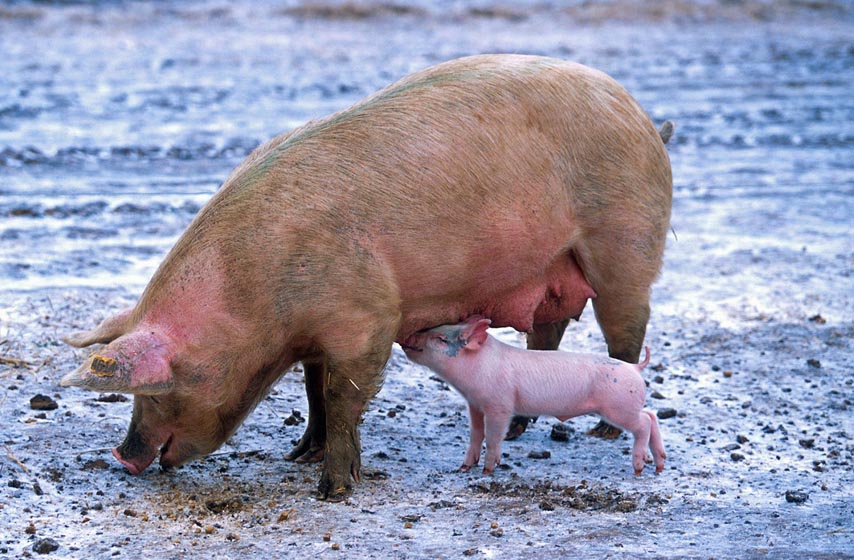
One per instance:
(751,330)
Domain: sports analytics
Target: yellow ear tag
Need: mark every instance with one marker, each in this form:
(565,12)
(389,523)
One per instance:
(103,367)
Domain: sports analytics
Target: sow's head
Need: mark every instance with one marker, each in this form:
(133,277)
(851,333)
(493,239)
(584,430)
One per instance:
(174,411)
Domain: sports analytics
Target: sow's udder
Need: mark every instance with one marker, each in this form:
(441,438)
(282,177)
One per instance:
(561,293)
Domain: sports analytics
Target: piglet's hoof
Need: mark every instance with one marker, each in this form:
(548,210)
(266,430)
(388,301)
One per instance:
(604,430)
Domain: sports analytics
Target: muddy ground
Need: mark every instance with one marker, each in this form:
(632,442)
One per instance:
(119,119)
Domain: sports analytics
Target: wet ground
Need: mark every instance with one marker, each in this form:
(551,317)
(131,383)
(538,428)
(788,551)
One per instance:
(119,119)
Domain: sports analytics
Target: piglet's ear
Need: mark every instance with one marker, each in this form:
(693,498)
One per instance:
(137,363)
(475,333)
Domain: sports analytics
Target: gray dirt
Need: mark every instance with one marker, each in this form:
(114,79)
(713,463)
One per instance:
(119,119)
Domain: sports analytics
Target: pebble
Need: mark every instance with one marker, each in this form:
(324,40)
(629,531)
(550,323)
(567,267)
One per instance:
(539,455)
(43,402)
(111,398)
(796,496)
(666,413)
(294,419)
(560,432)
(45,546)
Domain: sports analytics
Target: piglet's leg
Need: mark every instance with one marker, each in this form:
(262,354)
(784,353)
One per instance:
(495,426)
(655,442)
(640,429)
(475,438)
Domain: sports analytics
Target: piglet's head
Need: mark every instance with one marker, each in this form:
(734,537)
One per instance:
(168,416)
(435,346)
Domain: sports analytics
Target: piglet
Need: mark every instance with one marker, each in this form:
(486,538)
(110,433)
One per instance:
(499,380)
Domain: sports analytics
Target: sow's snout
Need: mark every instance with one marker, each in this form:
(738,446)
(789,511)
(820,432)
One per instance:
(143,438)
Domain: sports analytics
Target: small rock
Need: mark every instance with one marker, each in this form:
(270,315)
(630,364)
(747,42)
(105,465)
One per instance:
(657,395)
(15,483)
(812,362)
(539,455)
(130,513)
(294,419)
(807,443)
(112,397)
(560,432)
(741,439)
(30,530)
(37,489)
(43,402)
(666,413)
(546,505)
(45,546)
(796,496)
(731,447)
(285,515)
(658,379)
(95,464)
(736,457)
(818,319)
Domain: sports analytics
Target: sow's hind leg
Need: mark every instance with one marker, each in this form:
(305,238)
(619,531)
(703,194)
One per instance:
(311,446)
(622,268)
(544,337)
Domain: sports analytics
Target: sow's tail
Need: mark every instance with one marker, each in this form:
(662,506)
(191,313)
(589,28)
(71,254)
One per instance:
(666,131)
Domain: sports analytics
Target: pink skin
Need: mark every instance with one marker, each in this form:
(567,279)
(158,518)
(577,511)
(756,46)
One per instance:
(499,381)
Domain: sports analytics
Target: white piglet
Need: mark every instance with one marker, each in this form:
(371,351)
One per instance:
(499,380)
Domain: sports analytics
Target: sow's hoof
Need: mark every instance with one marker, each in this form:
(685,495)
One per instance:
(518,426)
(604,430)
(309,454)
(332,491)
(336,481)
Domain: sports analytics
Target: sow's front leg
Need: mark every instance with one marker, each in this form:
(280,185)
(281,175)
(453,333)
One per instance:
(355,362)
(544,337)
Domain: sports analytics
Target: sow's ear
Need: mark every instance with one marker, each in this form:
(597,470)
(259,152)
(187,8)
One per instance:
(137,363)
(475,333)
(110,329)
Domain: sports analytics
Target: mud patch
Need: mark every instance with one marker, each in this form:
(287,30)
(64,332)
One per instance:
(550,495)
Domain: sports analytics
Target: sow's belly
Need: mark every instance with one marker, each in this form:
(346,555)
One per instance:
(560,293)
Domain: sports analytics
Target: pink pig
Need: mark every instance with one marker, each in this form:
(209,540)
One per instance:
(499,380)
